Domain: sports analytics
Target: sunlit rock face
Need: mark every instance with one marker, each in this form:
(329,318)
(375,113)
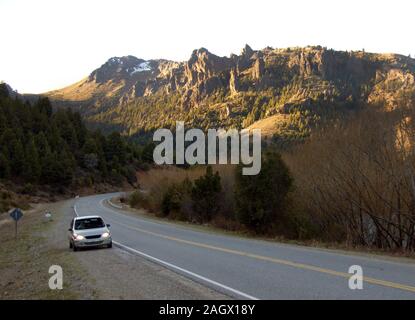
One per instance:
(240,89)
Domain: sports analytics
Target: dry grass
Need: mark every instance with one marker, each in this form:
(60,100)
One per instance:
(85,90)
(10,199)
(156,182)
(157,179)
(24,263)
(270,125)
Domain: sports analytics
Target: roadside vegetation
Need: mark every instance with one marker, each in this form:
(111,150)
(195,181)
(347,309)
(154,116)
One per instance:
(351,184)
(355,181)
(220,195)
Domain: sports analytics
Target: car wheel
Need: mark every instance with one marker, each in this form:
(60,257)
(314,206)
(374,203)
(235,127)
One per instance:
(110,245)
(70,245)
(74,247)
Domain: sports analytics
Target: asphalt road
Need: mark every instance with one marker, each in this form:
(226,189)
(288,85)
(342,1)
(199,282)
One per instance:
(252,269)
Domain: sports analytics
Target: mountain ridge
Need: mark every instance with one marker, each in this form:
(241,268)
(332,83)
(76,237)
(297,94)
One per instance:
(136,95)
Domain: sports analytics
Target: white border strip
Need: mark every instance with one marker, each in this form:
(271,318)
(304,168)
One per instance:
(113,204)
(181,270)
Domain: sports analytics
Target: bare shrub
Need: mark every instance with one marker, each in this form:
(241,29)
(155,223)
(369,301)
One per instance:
(355,181)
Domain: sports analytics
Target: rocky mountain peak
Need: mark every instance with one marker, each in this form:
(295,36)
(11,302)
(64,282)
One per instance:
(247,51)
(118,68)
(240,89)
(203,65)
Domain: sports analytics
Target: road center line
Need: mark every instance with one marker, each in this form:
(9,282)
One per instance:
(274,260)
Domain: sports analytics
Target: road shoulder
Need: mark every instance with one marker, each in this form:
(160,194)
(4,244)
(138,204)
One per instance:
(25,261)
(88,274)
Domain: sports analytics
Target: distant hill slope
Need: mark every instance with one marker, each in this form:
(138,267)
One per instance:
(294,87)
(39,147)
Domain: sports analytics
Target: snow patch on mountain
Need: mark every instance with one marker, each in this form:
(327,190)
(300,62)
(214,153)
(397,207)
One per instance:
(143,66)
(114,60)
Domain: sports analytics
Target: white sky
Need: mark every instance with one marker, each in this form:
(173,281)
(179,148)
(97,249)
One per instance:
(48,44)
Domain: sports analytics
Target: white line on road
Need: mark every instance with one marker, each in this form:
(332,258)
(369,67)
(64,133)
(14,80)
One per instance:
(116,206)
(181,270)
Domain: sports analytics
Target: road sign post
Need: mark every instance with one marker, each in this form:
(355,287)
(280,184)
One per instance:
(16,214)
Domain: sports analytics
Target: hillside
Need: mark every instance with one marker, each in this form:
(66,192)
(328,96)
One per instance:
(45,150)
(294,88)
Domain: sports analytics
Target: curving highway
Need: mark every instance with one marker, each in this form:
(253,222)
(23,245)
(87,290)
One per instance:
(252,269)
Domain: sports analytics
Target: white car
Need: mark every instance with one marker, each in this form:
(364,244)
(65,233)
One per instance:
(89,231)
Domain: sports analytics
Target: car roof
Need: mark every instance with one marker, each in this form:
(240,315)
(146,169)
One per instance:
(87,217)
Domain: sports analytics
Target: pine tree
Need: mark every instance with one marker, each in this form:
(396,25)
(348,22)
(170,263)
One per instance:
(261,199)
(90,146)
(115,147)
(3,122)
(4,91)
(50,170)
(66,164)
(80,129)
(42,144)
(4,167)
(44,106)
(32,168)
(17,158)
(39,146)
(54,137)
(205,195)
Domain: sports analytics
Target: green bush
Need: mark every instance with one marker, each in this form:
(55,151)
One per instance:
(261,200)
(171,200)
(174,197)
(205,195)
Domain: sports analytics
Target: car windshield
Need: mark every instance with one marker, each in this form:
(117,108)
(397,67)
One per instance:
(89,223)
